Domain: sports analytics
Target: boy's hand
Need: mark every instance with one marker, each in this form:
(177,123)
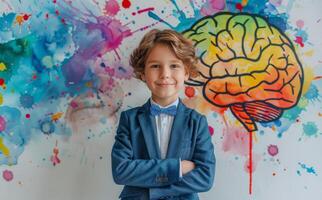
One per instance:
(187,166)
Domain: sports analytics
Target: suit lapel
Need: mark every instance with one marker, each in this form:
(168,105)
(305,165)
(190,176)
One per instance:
(180,123)
(148,128)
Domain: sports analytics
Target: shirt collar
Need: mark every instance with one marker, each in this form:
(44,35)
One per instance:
(175,103)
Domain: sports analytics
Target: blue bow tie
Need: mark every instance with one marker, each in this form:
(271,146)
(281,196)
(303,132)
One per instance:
(156,110)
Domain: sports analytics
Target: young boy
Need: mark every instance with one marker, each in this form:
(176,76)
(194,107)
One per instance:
(163,149)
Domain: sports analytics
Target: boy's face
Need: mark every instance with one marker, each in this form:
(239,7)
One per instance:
(164,74)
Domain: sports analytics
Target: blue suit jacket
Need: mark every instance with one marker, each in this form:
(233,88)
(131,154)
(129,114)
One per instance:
(137,164)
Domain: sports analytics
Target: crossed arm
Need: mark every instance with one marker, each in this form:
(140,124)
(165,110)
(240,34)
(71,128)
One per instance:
(161,176)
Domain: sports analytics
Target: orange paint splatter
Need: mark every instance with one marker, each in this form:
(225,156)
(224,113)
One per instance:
(56,116)
(20,19)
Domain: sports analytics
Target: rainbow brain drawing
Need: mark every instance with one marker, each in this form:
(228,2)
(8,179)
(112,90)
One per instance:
(247,65)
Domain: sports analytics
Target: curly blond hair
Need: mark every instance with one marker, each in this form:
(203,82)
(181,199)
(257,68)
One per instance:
(182,47)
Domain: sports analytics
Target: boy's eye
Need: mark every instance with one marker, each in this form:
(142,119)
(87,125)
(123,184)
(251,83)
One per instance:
(174,66)
(154,66)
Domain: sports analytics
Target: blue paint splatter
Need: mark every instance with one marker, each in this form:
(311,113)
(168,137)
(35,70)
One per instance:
(309,170)
(310,129)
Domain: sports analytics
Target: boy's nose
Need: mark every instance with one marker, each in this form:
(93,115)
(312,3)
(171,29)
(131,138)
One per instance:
(165,72)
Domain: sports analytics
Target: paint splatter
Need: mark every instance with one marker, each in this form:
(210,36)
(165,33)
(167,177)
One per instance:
(126,4)
(54,158)
(111,7)
(190,92)
(211,130)
(7,175)
(272,150)
(2,123)
(310,129)
(299,40)
(309,170)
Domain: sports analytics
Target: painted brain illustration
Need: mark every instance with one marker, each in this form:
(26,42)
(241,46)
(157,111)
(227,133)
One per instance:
(247,65)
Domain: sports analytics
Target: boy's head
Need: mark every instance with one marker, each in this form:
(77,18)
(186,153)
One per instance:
(182,48)
(164,59)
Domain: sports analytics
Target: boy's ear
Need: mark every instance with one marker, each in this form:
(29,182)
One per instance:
(186,76)
(142,76)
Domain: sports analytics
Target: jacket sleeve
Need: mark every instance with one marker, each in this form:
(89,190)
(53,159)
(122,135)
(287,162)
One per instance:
(139,172)
(201,178)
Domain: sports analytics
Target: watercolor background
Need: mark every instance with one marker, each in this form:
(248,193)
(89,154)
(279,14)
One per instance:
(65,78)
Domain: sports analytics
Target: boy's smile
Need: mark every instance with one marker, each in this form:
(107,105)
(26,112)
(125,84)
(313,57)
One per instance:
(164,74)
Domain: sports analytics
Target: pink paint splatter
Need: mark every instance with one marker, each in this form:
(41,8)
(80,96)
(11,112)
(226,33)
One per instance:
(211,130)
(111,8)
(236,141)
(272,150)
(7,175)
(2,124)
(254,163)
(300,23)
(276,2)
(299,40)
(73,104)
(54,158)
(212,6)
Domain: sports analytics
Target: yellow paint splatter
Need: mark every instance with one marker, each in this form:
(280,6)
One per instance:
(89,84)
(308,77)
(2,66)
(309,53)
(1,99)
(4,149)
(56,116)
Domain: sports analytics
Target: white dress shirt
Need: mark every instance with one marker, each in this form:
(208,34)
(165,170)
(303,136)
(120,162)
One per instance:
(164,124)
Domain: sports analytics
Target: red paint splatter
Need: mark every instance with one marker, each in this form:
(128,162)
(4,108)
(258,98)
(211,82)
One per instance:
(54,1)
(126,3)
(63,21)
(190,91)
(57,12)
(26,17)
(272,150)
(239,7)
(27,116)
(250,162)
(73,104)
(211,130)
(133,13)
(145,10)
(1,81)
(7,175)
(47,15)
(299,40)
